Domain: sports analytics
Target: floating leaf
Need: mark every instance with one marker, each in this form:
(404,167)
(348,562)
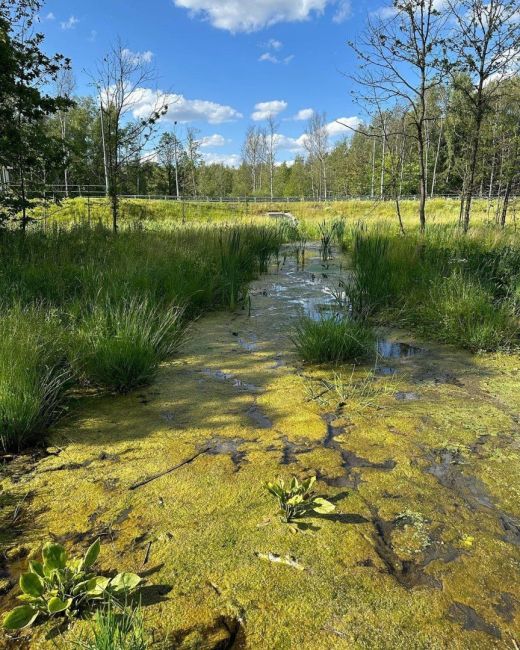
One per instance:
(20,617)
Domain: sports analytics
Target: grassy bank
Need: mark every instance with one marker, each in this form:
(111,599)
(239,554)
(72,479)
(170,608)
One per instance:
(450,287)
(82,306)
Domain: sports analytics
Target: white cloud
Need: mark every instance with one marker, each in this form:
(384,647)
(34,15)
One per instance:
(267,56)
(215,140)
(50,16)
(93,36)
(304,114)
(343,11)
(70,23)
(265,109)
(274,44)
(137,57)
(181,109)
(242,16)
(337,127)
(229,160)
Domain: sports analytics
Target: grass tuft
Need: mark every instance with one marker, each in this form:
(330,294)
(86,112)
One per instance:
(333,340)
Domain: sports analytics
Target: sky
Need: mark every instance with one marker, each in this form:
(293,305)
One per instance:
(226,64)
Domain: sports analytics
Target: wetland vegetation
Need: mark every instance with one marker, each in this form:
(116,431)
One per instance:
(266,423)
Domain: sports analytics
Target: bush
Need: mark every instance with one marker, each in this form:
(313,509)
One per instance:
(333,340)
(33,375)
(120,344)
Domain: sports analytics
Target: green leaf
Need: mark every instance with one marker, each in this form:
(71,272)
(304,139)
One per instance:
(31,584)
(54,556)
(20,617)
(85,586)
(36,567)
(123,582)
(99,587)
(56,605)
(92,554)
(322,506)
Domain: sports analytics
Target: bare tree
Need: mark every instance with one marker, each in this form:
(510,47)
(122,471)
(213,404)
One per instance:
(122,80)
(486,43)
(316,143)
(252,154)
(194,157)
(402,60)
(65,87)
(270,150)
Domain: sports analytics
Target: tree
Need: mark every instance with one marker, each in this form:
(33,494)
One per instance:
(316,143)
(194,156)
(121,80)
(402,60)
(169,151)
(486,43)
(25,144)
(270,150)
(253,154)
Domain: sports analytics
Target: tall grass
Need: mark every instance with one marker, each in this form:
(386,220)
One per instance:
(119,344)
(119,305)
(33,375)
(453,288)
(115,627)
(333,340)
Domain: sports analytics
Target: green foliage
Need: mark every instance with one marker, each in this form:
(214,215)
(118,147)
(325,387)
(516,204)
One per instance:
(118,344)
(115,627)
(33,374)
(453,288)
(298,499)
(333,340)
(62,586)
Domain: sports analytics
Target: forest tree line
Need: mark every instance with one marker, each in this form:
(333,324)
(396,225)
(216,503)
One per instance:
(440,89)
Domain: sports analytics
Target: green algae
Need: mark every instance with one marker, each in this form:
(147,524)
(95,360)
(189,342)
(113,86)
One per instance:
(409,538)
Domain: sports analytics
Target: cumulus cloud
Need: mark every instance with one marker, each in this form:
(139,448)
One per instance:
(50,16)
(229,160)
(180,108)
(303,114)
(70,23)
(215,140)
(274,44)
(342,124)
(265,109)
(241,16)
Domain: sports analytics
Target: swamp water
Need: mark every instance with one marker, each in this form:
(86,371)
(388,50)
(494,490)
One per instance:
(422,550)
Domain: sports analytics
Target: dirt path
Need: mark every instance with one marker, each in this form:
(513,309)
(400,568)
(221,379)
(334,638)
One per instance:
(422,463)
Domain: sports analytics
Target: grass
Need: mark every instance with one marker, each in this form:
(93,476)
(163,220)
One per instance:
(81,305)
(333,340)
(452,288)
(115,627)
(33,375)
(119,344)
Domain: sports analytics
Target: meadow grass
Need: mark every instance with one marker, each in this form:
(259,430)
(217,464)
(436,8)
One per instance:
(84,305)
(454,288)
(333,340)
(115,627)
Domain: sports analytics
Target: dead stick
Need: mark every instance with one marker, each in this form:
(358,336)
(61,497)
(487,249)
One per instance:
(169,471)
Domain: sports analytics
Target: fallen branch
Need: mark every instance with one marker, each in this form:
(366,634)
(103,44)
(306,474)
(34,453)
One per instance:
(169,471)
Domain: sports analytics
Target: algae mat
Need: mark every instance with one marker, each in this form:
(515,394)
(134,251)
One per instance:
(421,459)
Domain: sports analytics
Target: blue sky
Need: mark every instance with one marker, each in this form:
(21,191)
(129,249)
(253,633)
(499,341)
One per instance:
(228,62)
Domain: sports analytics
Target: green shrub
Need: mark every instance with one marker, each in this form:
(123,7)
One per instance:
(33,374)
(333,340)
(115,627)
(119,344)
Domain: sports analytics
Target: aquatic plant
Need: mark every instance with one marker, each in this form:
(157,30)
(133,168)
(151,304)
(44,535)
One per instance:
(59,586)
(298,499)
(333,340)
(118,344)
